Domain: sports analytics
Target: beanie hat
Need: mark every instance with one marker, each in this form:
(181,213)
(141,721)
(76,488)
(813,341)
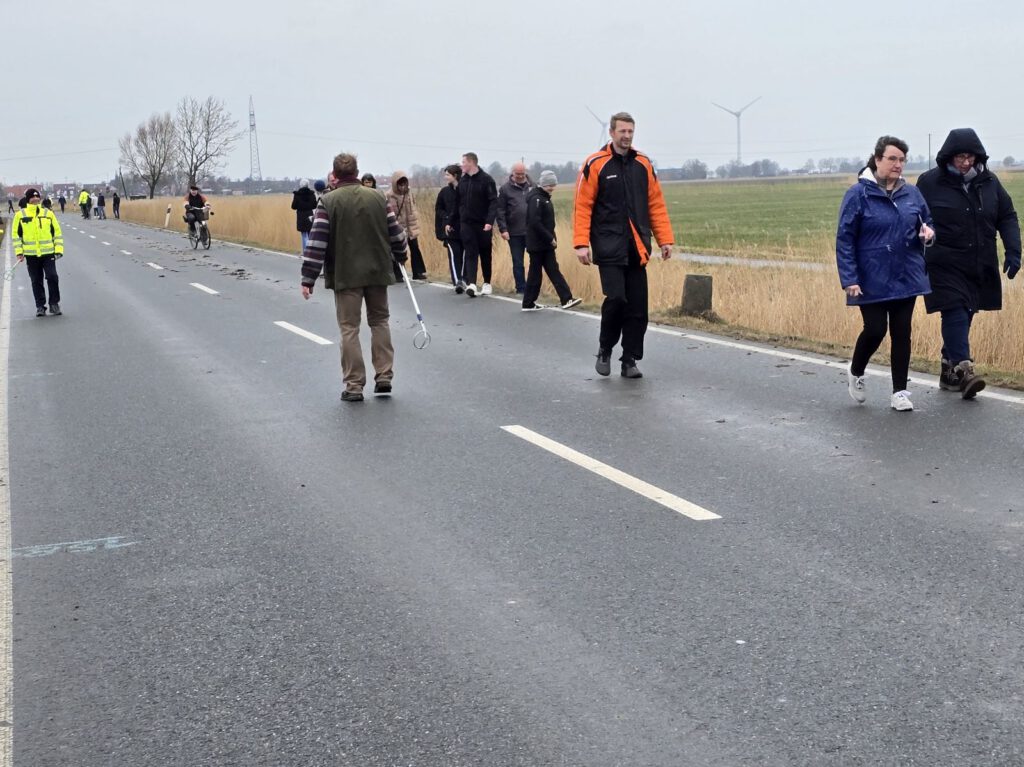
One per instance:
(319,185)
(30,193)
(547,178)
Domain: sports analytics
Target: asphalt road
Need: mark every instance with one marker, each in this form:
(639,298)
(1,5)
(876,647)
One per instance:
(252,572)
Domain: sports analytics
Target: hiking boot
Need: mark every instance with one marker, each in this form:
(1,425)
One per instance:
(970,382)
(629,368)
(948,379)
(901,401)
(856,386)
(603,366)
(55,309)
(382,388)
(351,396)
(485,289)
(40,311)
(572,302)
(460,287)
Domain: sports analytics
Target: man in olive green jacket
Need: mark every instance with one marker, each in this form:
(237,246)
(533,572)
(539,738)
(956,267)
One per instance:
(354,240)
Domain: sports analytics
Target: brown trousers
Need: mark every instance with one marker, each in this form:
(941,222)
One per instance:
(348,306)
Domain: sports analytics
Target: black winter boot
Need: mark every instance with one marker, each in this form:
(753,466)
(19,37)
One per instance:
(947,380)
(970,382)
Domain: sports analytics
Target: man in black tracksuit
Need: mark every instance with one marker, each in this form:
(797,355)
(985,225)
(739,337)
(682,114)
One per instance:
(478,205)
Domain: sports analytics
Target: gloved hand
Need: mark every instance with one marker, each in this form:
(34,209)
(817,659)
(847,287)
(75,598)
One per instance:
(1011,266)
(58,255)
(402,258)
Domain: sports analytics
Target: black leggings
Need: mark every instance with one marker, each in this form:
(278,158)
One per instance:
(898,316)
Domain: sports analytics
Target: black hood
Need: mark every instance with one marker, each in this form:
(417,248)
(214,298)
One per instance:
(961,140)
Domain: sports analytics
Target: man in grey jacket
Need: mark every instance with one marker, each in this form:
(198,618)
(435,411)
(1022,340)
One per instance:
(512,219)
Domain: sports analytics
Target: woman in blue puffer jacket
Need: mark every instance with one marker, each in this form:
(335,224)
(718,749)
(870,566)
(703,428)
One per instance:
(884,227)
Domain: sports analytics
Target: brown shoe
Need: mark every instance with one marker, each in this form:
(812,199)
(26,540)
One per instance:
(382,388)
(970,382)
(351,396)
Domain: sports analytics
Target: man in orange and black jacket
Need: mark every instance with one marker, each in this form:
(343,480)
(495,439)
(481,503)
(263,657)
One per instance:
(618,205)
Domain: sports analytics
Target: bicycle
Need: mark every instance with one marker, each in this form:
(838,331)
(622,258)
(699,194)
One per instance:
(200,232)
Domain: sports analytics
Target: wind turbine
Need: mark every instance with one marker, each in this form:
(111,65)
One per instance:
(603,139)
(737,113)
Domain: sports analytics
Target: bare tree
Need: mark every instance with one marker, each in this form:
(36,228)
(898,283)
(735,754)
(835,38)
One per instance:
(149,153)
(206,134)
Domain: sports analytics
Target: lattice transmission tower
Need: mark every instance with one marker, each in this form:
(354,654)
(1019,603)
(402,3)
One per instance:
(255,174)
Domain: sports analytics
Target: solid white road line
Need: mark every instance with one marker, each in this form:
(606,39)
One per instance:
(6,595)
(656,494)
(304,333)
(155,266)
(203,288)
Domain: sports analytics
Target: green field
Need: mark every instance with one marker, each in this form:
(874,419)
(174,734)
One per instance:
(792,218)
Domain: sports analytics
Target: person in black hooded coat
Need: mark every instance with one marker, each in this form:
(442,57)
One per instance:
(969,207)
(304,202)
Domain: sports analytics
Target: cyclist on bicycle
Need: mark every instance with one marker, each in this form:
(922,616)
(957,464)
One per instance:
(193,200)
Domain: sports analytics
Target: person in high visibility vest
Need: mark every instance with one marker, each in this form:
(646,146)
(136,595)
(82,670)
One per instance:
(37,240)
(83,203)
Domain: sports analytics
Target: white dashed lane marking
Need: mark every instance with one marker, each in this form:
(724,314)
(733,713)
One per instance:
(304,333)
(647,490)
(155,266)
(199,286)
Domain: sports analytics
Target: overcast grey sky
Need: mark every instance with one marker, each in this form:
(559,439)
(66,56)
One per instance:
(402,82)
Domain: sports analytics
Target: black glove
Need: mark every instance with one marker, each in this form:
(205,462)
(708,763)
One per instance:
(61,255)
(1011,266)
(402,258)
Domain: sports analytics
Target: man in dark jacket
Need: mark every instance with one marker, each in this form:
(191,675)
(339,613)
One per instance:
(969,207)
(512,219)
(354,240)
(478,205)
(541,242)
(619,205)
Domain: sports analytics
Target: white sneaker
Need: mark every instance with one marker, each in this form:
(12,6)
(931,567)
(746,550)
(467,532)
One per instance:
(471,290)
(485,289)
(856,387)
(901,401)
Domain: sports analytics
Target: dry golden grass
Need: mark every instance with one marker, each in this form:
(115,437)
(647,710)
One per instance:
(803,309)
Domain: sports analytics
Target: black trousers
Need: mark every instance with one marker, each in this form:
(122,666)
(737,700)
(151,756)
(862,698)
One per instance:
(117,211)
(544,260)
(624,311)
(40,268)
(476,246)
(419,269)
(85,209)
(898,316)
(455,259)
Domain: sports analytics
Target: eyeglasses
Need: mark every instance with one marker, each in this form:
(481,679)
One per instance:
(963,157)
(894,158)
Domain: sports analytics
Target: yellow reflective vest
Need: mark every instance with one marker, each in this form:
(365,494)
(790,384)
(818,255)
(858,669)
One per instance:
(83,198)
(35,231)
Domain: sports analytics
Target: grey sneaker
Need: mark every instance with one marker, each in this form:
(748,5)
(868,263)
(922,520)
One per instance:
(40,311)
(55,309)
(603,366)
(629,368)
